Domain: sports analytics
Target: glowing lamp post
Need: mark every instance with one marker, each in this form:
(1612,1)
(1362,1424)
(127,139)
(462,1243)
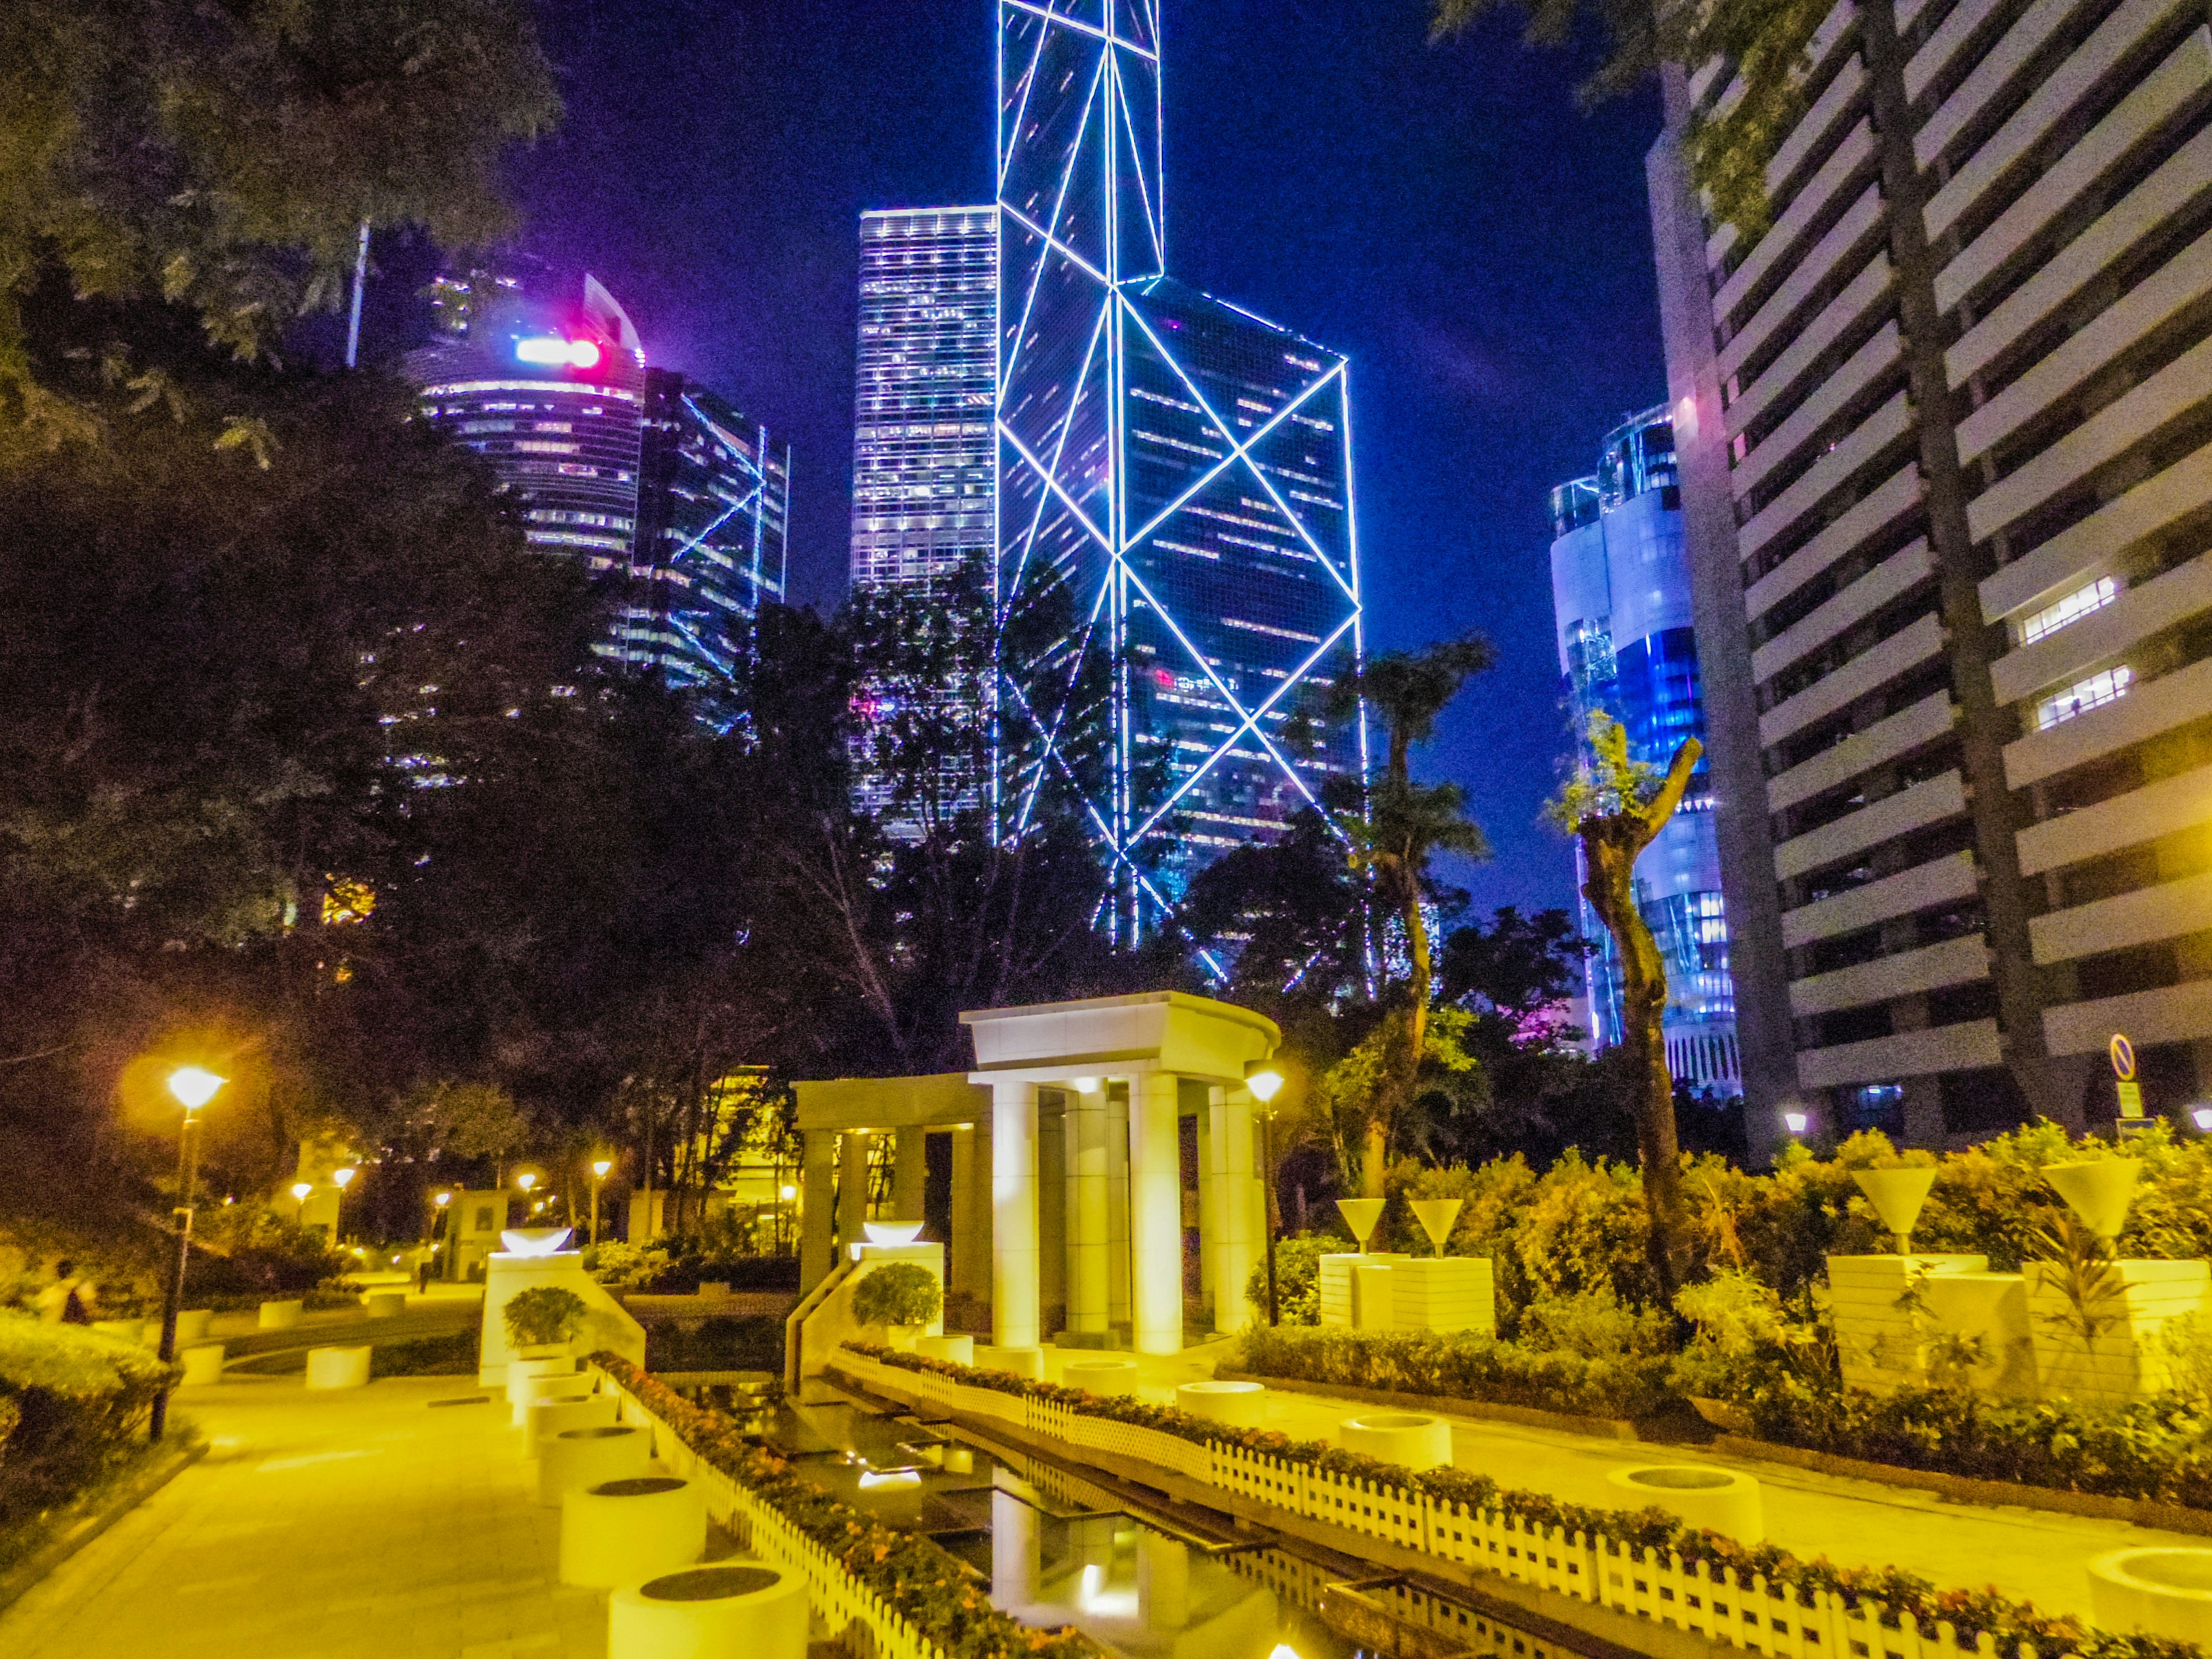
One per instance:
(345,1179)
(300,1191)
(599,1168)
(192,1086)
(1265,1079)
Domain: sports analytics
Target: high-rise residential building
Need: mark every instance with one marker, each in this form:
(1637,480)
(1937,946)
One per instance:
(1620,602)
(1945,435)
(674,502)
(1174,476)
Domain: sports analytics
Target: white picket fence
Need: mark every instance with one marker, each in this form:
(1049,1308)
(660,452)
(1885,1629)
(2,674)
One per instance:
(869,1627)
(1756,1616)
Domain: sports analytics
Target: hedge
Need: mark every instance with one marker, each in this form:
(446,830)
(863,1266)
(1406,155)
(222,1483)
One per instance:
(923,1581)
(1461,1365)
(73,1404)
(1971,1613)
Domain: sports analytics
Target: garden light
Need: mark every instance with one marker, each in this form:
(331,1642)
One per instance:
(2202,1117)
(194,1086)
(600,1167)
(1264,1079)
(343,1177)
(786,1193)
(525,1181)
(444,1198)
(1795,1122)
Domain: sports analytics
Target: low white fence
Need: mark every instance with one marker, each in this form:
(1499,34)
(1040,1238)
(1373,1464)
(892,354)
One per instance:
(1753,1615)
(846,1607)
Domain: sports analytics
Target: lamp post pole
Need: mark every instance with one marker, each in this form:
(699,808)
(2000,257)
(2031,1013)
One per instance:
(599,1169)
(193,1088)
(1267,1157)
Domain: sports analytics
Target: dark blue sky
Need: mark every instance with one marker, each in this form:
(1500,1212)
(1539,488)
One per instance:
(1445,215)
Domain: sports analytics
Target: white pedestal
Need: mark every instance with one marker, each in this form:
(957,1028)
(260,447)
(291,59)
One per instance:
(1719,1500)
(1987,1312)
(751,1609)
(525,1393)
(606,1323)
(1443,1293)
(203,1365)
(1105,1377)
(280,1316)
(338,1368)
(1407,1438)
(624,1532)
(1882,1347)
(548,1418)
(576,1458)
(1339,1304)
(2123,1359)
(1242,1405)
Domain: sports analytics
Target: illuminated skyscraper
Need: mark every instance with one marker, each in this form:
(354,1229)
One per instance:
(1178,466)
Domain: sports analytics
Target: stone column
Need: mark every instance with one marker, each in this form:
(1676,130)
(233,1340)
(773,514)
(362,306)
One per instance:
(1051,1209)
(852,1190)
(1231,1247)
(1209,1209)
(1013,1215)
(911,1174)
(818,1197)
(971,1249)
(1118,1307)
(1155,1215)
(1088,1230)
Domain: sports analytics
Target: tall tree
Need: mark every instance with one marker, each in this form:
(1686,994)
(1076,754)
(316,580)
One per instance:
(1394,828)
(1616,806)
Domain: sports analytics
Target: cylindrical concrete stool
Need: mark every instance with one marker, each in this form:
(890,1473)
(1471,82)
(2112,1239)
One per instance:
(280,1316)
(1407,1438)
(193,1325)
(338,1368)
(524,1392)
(1240,1405)
(384,1304)
(1022,1362)
(711,1613)
(2166,1592)
(953,1350)
(621,1532)
(551,1417)
(203,1365)
(132,1331)
(1100,1377)
(1719,1500)
(586,1457)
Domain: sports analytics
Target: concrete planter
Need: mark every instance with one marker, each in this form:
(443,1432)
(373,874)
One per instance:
(1104,1378)
(1242,1405)
(282,1315)
(338,1368)
(1720,1500)
(203,1365)
(576,1458)
(711,1613)
(953,1350)
(2166,1592)
(193,1325)
(384,1304)
(621,1532)
(551,1417)
(523,1392)
(1022,1362)
(1409,1438)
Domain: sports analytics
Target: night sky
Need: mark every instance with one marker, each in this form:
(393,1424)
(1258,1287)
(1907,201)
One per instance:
(1446,215)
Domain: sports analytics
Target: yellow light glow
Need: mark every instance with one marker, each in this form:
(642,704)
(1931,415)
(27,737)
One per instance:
(444,1198)
(1263,1080)
(301,1188)
(525,1181)
(601,1167)
(1084,1085)
(786,1193)
(343,1177)
(194,1086)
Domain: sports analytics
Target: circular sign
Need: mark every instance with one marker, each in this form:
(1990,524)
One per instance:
(2124,1057)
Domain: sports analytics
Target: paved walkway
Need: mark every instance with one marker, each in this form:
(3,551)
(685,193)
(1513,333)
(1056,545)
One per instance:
(2031,1554)
(368,1524)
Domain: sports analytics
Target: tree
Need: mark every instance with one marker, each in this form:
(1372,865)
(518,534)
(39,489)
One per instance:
(1394,827)
(1765,39)
(1616,806)
(1283,921)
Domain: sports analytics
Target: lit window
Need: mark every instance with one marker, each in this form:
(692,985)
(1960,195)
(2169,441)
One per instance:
(2082,695)
(2071,609)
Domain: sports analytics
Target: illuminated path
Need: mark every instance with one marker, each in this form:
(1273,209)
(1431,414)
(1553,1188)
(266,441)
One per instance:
(368,1524)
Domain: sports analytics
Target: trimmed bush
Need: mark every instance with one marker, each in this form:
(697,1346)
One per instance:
(542,1315)
(1461,1366)
(898,1293)
(73,1404)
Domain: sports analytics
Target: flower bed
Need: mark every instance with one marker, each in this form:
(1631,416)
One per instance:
(1882,1593)
(1461,1366)
(925,1583)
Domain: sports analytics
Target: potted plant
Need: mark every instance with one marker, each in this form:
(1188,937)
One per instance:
(541,1322)
(903,1297)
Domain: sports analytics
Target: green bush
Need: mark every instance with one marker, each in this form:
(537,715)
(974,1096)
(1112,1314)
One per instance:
(1594,1324)
(1461,1366)
(1298,1279)
(898,1293)
(542,1315)
(454,1354)
(75,1403)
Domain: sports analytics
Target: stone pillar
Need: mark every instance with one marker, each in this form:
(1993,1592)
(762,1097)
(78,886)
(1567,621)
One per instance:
(1013,1215)
(1209,1211)
(1231,1246)
(1052,1211)
(1118,1307)
(1088,1227)
(910,1174)
(1155,1215)
(852,1190)
(818,1197)
(971,1247)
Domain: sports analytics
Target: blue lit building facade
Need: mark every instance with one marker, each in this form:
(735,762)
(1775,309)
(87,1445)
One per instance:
(1174,472)
(1620,596)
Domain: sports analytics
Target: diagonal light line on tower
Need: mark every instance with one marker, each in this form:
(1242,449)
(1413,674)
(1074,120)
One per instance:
(1059,453)
(1007,371)
(1061,19)
(1052,242)
(1028,84)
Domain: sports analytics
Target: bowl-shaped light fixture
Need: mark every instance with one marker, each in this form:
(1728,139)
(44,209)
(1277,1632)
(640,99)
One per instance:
(194,1086)
(535,1240)
(892,1233)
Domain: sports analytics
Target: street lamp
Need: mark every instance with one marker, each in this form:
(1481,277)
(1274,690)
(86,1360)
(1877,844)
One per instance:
(1265,1079)
(300,1191)
(193,1087)
(599,1168)
(345,1179)
(1796,1122)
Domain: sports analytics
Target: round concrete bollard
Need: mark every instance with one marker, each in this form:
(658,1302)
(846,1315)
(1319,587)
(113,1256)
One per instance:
(203,1365)
(620,1532)
(193,1325)
(384,1304)
(1719,1500)
(1406,1438)
(953,1350)
(551,1417)
(132,1331)
(2166,1592)
(711,1613)
(1100,1377)
(338,1368)
(1241,1404)
(524,1392)
(575,1458)
(280,1316)
(714,1287)
(1022,1362)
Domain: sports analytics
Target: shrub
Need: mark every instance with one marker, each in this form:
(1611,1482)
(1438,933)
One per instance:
(453,1354)
(542,1315)
(74,1401)
(898,1293)
(243,1254)
(1595,1326)
(1298,1279)
(1461,1365)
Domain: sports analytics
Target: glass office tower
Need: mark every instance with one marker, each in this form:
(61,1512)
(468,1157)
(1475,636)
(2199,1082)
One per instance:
(1620,596)
(1174,486)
